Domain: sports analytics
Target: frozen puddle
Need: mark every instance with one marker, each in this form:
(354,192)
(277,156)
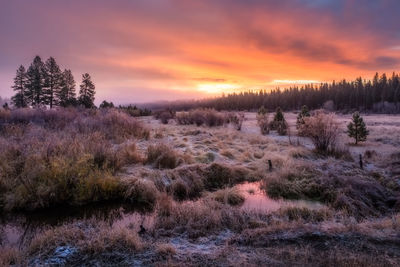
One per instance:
(257,200)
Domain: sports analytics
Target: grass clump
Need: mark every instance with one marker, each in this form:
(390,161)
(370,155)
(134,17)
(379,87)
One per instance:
(162,156)
(229,196)
(141,192)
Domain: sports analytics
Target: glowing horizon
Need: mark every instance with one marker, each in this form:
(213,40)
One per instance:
(141,51)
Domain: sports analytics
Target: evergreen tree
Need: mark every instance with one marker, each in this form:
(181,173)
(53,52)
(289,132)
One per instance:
(87,91)
(35,82)
(53,82)
(300,118)
(19,99)
(67,95)
(279,123)
(357,129)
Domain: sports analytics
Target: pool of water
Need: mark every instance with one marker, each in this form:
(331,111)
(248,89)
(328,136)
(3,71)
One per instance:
(257,200)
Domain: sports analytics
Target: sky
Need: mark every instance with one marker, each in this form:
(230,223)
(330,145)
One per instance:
(150,50)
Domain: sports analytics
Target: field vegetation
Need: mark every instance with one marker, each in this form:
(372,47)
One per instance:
(306,199)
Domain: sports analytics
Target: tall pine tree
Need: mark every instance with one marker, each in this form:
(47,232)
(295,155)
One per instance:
(87,91)
(357,129)
(35,82)
(67,95)
(19,99)
(53,80)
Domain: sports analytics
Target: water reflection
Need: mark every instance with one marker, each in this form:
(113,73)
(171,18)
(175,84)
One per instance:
(257,200)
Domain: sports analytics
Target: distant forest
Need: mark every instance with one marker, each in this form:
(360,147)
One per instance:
(381,94)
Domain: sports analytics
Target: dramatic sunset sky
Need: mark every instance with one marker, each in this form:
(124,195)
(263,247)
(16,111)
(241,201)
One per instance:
(147,50)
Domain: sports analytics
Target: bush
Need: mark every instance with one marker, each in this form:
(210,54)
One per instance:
(323,129)
(164,116)
(162,156)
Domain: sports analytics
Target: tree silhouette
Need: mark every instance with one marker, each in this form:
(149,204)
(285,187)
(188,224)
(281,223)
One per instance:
(87,91)
(53,82)
(67,95)
(19,99)
(35,82)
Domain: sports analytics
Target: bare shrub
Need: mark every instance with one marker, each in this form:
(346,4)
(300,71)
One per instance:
(263,123)
(162,156)
(323,129)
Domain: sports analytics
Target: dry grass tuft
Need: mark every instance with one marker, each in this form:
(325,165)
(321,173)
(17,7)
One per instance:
(165,250)
(142,192)
(229,196)
(162,156)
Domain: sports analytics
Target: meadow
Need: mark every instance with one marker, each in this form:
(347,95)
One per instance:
(194,188)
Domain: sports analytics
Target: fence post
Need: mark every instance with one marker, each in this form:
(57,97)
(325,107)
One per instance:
(270,165)
(361,162)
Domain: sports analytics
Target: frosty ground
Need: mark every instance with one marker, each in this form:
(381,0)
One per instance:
(219,203)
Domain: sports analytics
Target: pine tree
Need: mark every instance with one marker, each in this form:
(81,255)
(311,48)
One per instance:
(303,114)
(279,123)
(67,95)
(53,82)
(19,99)
(87,91)
(357,129)
(35,82)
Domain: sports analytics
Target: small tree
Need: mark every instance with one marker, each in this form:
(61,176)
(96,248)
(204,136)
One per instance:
(19,99)
(262,120)
(357,129)
(279,123)
(87,92)
(303,114)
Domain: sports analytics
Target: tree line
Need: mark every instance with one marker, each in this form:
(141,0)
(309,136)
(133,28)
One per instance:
(45,84)
(381,94)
